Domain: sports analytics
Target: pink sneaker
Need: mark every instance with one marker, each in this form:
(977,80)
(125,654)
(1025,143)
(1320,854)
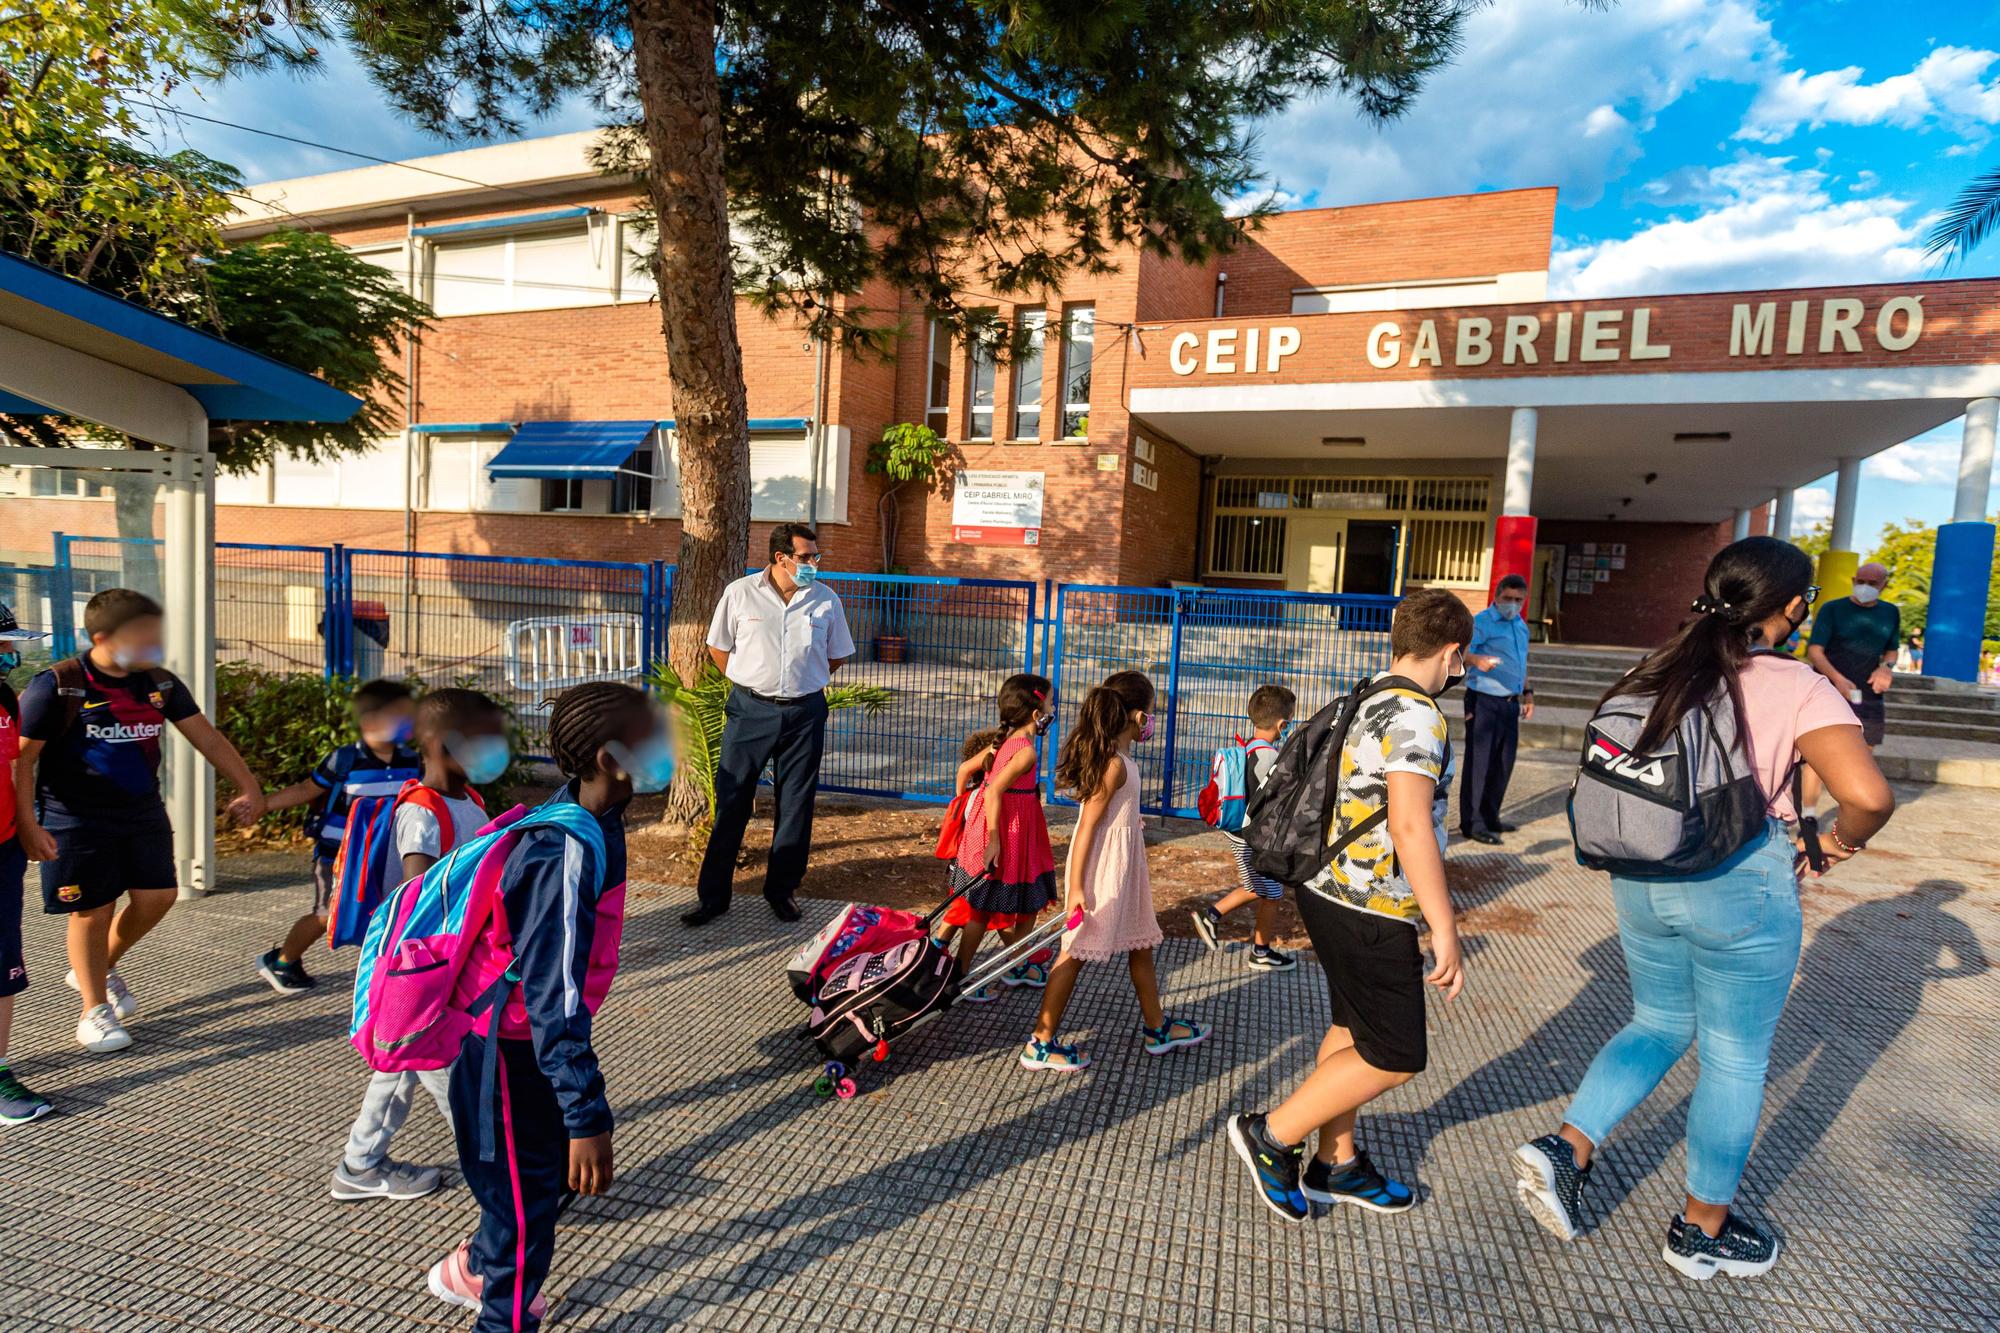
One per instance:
(453,1282)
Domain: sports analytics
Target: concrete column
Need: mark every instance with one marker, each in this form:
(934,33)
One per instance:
(1741,527)
(1975,461)
(1514,530)
(1837,566)
(1962,560)
(178,592)
(202,682)
(1781,515)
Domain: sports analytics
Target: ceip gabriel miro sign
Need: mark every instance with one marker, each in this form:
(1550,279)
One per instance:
(1830,325)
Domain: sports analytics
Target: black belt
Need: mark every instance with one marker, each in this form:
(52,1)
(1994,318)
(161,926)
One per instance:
(781,700)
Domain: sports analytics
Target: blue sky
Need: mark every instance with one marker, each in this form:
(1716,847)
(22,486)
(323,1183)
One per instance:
(1697,145)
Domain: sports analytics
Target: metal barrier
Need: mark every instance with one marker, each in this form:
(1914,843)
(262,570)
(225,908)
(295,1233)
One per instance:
(1205,650)
(943,645)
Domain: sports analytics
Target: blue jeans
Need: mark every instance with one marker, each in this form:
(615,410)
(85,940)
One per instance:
(1711,961)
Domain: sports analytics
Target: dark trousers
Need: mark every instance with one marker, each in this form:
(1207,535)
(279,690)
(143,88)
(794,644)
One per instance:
(520,1191)
(1492,729)
(790,737)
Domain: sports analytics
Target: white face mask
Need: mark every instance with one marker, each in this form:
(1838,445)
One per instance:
(1866,593)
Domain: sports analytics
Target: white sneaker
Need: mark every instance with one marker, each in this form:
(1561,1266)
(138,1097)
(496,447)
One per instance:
(101,1032)
(122,1002)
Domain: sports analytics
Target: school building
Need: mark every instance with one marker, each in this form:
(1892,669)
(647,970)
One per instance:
(1362,399)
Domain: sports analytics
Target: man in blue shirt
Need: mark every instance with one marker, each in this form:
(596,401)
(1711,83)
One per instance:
(1497,698)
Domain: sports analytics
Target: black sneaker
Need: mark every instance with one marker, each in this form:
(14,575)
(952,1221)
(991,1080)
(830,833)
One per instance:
(1271,960)
(1274,1168)
(285,978)
(1551,1184)
(1740,1251)
(1205,927)
(18,1105)
(1358,1183)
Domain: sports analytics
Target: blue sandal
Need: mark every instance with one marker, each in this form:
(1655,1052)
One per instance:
(1053,1055)
(1032,975)
(1172,1035)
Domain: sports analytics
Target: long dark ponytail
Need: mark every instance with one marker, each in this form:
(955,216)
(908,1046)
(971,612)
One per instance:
(1087,749)
(1747,583)
(1021,697)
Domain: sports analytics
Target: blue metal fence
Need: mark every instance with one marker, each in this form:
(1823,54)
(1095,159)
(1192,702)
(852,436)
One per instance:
(524,628)
(1206,649)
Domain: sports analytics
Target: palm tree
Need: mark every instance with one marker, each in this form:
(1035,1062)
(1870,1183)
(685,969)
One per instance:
(1970,219)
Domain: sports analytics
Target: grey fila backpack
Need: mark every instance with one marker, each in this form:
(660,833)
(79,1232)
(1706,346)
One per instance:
(1673,812)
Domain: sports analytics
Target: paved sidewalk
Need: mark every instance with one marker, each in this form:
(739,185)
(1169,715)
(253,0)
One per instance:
(184,1184)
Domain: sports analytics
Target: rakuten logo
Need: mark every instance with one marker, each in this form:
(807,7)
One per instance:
(120,732)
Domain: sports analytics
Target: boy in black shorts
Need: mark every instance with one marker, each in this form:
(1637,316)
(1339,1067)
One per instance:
(88,797)
(17,1105)
(1362,911)
(376,765)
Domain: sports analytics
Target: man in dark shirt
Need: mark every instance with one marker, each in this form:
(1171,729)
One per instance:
(1853,645)
(88,796)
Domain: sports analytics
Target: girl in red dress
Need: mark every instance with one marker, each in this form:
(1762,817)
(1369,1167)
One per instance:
(1004,854)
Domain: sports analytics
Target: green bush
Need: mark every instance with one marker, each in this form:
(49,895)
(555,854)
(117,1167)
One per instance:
(284,723)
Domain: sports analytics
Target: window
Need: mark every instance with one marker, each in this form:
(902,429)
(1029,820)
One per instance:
(373,480)
(780,477)
(305,484)
(938,412)
(1028,377)
(981,375)
(448,473)
(388,258)
(540,269)
(562,494)
(1079,339)
(48,482)
(632,488)
(1247,544)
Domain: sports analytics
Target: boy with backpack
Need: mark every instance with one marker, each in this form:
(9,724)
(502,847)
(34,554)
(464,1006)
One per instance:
(1359,798)
(17,1104)
(87,797)
(377,764)
(462,735)
(1238,770)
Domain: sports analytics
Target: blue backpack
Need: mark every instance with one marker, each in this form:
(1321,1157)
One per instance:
(1224,803)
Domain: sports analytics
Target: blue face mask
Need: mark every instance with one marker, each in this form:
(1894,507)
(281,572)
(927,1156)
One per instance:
(137,659)
(805,575)
(483,758)
(649,764)
(397,732)
(1506,610)
(8,661)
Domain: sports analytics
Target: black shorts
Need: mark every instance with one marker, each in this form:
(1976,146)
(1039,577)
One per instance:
(95,863)
(13,871)
(1873,712)
(322,886)
(1375,978)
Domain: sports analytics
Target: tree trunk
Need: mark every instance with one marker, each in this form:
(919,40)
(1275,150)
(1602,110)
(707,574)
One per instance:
(674,48)
(133,496)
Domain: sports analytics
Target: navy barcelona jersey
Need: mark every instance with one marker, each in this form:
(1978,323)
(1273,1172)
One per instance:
(105,764)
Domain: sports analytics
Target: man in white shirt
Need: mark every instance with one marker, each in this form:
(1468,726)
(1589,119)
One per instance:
(779,635)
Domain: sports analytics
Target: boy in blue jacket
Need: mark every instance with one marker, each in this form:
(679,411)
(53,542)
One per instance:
(552,1123)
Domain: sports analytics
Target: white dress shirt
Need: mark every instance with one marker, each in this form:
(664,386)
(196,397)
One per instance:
(777,647)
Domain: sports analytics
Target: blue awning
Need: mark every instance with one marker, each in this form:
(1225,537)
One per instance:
(570,448)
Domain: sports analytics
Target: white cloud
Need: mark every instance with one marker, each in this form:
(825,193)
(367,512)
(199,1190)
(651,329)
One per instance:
(1754,222)
(1541,92)
(1812,505)
(1275,198)
(1948,87)
(1931,459)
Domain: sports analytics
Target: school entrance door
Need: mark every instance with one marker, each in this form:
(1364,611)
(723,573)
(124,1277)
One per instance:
(1352,555)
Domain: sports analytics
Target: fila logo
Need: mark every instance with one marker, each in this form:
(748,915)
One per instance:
(1622,763)
(120,732)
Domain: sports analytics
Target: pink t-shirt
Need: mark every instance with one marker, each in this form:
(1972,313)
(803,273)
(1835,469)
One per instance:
(1785,699)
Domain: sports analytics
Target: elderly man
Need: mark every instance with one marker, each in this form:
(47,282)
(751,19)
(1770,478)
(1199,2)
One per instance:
(779,635)
(1854,643)
(1497,698)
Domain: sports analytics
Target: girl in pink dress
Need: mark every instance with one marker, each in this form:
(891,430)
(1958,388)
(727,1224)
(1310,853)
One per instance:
(1107,874)
(1004,861)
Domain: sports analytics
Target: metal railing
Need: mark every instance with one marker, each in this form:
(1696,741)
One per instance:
(524,628)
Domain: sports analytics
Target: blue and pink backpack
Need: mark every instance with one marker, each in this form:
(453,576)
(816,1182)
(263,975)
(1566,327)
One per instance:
(1224,803)
(438,959)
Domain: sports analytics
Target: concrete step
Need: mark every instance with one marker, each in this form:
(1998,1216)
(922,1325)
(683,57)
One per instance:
(1960,762)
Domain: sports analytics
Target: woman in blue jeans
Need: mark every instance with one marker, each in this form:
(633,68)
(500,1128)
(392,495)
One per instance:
(1711,957)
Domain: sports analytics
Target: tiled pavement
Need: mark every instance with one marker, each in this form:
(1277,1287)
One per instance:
(183,1187)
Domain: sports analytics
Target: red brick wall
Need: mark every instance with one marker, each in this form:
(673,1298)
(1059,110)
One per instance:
(1461,236)
(1642,603)
(1162,526)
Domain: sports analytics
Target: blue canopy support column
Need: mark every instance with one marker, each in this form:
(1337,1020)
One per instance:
(1962,561)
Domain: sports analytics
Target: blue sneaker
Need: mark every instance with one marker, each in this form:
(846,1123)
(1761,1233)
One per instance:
(1358,1183)
(1274,1168)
